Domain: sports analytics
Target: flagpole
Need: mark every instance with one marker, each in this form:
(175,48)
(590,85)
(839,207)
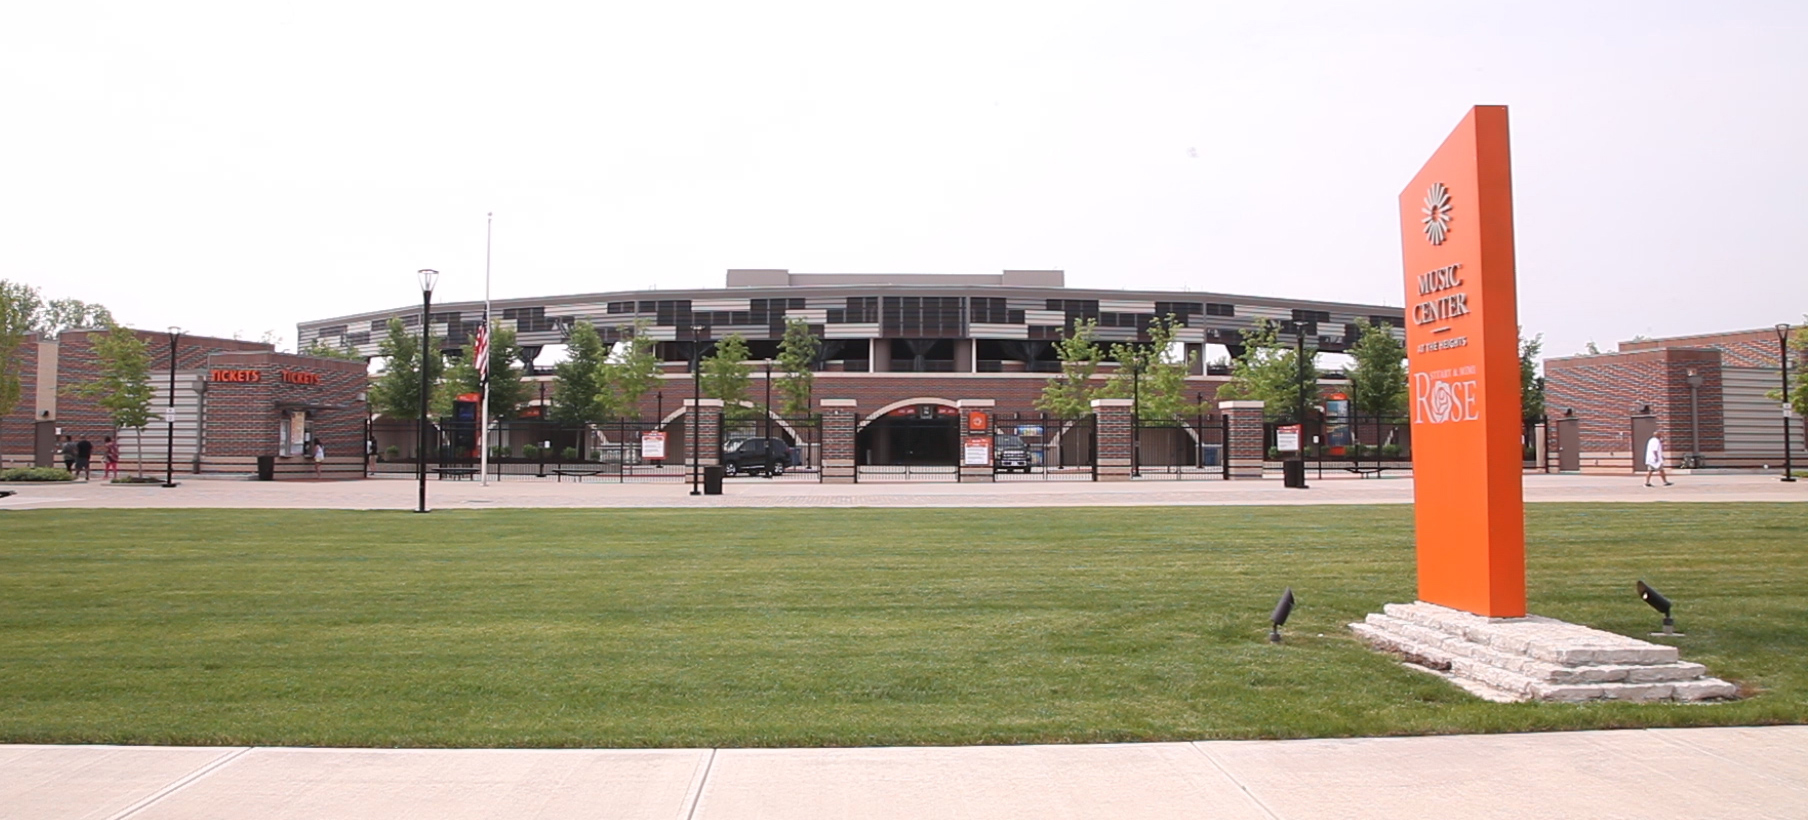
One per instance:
(483,421)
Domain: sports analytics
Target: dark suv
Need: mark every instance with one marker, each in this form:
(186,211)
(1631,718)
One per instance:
(756,455)
(1010,453)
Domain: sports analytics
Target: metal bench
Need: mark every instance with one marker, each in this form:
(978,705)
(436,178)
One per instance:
(578,474)
(1367,472)
(456,473)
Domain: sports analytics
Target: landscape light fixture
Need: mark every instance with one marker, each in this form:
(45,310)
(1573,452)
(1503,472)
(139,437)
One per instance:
(169,441)
(1661,604)
(1279,616)
(428,279)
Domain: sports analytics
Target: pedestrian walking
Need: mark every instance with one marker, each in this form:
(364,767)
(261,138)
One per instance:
(1654,459)
(84,458)
(110,457)
(68,451)
(319,455)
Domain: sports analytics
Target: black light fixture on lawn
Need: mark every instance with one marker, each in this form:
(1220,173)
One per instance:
(1279,616)
(169,414)
(1661,604)
(428,279)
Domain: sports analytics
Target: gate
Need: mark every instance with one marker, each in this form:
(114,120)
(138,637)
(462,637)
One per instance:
(802,434)
(1060,449)
(1182,450)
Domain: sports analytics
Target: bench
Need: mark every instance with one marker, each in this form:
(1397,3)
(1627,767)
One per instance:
(1367,472)
(578,474)
(457,473)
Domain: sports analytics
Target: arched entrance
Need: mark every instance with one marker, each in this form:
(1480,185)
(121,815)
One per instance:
(917,432)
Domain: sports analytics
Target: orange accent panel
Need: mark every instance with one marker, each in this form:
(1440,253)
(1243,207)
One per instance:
(1462,345)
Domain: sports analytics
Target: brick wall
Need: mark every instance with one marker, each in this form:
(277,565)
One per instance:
(1743,348)
(243,418)
(1605,390)
(1247,448)
(840,430)
(1116,439)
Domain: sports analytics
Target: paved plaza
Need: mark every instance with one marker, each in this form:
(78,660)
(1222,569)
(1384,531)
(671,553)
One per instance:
(399,493)
(1743,772)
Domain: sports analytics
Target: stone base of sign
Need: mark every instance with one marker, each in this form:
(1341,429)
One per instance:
(1534,658)
(971,472)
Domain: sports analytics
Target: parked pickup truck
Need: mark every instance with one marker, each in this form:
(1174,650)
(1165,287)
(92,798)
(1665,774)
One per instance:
(1009,453)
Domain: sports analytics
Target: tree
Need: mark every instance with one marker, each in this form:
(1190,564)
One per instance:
(1270,371)
(507,391)
(1152,374)
(1069,395)
(797,353)
(123,387)
(574,381)
(727,376)
(1531,385)
(1378,376)
(627,374)
(64,314)
(18,308)
(397,392)
(321,350)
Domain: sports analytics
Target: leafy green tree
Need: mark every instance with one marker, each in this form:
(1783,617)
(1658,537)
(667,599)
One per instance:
(1378,376)
(1069,395)
(397,392)
(123,387)
(1531,385)
(321,350)
(628,374)
(1152,374)
(574,381)
(507,391)
(797,353)
(19,305)
(64,314)
(1271,371)
(727,376)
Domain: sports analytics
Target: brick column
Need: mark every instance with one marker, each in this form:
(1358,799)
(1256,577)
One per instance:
(1113,430)
(708,427)
(1244,451)
(839,426)
(967,408)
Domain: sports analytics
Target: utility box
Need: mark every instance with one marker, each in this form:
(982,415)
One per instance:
(712,479)
(1293,473)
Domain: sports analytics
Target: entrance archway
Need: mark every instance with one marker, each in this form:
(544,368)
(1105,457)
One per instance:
(918,432)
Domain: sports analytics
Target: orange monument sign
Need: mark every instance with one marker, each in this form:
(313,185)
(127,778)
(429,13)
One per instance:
(1462,347)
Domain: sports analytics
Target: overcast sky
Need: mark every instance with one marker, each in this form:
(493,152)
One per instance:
(233,168)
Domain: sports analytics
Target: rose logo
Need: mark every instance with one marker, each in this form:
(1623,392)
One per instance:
(1437,213)
(1443,402)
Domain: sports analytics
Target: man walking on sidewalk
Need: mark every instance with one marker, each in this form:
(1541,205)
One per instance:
(1654,459)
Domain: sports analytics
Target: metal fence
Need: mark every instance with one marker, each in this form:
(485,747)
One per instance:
(1365,445)
(1182,450)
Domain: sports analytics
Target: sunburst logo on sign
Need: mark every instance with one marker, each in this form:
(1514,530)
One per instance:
(1437,213)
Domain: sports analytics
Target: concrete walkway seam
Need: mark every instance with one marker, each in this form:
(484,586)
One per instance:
(182,783)
(1251,796)
(693,796)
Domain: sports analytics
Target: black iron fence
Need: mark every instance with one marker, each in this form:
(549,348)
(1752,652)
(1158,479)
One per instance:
(1182,449)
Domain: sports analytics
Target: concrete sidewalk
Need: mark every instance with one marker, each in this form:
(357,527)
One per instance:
(1643,774)
(804,491)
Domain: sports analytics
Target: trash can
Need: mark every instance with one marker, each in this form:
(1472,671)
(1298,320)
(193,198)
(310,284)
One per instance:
(1209,455)
(1293,473)
(266,468)
(712,479)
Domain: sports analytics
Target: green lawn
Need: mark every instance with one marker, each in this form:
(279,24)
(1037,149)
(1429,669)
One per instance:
(826,627)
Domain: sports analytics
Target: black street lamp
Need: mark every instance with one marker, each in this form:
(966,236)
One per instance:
(1783,359)
(1136,413)
(696,406)
(1694,380)
(768,447)
(428,279)
(169,441)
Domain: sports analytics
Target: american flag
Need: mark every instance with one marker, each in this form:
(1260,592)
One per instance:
(480,350)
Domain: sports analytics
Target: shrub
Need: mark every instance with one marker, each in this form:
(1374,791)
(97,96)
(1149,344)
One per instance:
(530,451)
(1390,450)
(36,474)
(1274,454)
(499,452)
(569,454)
(391,453)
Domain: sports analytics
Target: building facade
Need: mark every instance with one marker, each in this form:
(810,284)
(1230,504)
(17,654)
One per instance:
(1706,393)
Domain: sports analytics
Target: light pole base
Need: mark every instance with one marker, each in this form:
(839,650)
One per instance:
(168,484)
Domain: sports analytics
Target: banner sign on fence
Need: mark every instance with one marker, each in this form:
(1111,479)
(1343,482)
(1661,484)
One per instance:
(978,452)
(1286,438)
(652,445)
(1462,347)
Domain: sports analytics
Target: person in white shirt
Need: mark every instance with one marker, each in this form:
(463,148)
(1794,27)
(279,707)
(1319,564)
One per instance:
(1654,459)
(320,456)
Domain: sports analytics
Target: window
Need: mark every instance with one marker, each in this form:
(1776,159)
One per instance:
(1218,309)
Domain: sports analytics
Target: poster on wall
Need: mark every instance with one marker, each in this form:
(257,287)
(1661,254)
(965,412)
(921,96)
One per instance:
(652,445)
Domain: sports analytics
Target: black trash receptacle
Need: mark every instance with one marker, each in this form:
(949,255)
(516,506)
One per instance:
(1293,473)
(712,479)
(266,468)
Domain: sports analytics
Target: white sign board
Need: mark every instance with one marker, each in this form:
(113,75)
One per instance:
(978,452)
(1286,439)
(652,445)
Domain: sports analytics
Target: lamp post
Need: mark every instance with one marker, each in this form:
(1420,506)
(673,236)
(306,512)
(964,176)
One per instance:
(1694,379)
(169,414)
(696,406)
(1136,413)
(1783,359)
(768,418)
(540,472)
(428,279)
